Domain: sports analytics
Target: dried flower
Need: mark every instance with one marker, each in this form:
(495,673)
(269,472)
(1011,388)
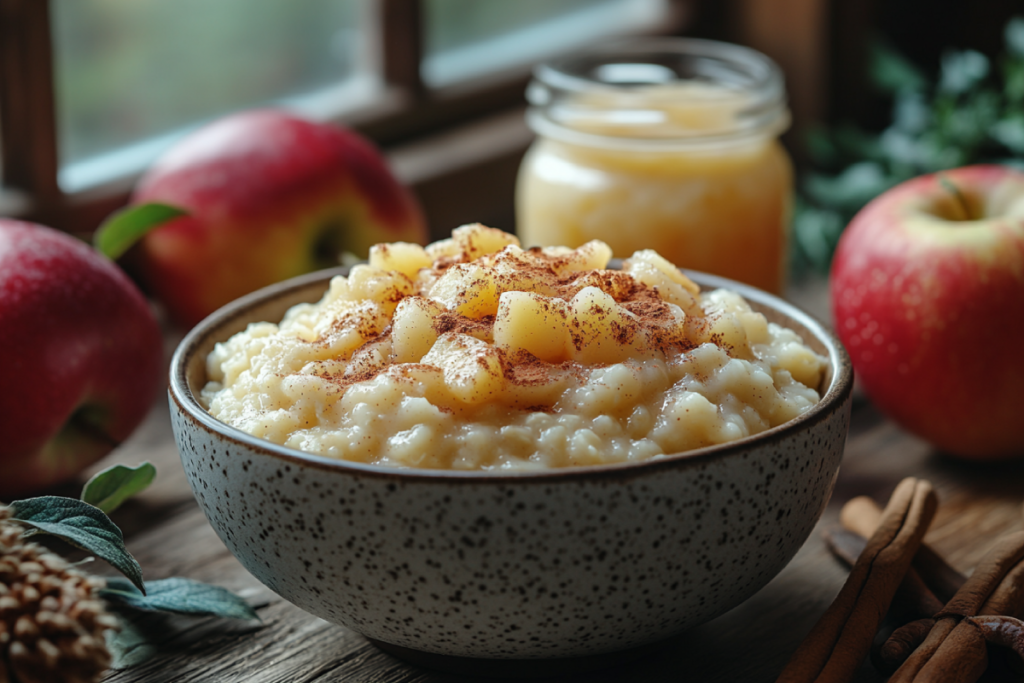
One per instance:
(52,623)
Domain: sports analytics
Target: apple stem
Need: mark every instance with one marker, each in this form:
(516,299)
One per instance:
(958,197)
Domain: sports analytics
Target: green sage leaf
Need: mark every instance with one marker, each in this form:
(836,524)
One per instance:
(180,596)
(114,485)
(83,526)
(126,227)
(130,645)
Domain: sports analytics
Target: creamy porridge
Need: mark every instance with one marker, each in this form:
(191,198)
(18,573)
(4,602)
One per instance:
(472,353)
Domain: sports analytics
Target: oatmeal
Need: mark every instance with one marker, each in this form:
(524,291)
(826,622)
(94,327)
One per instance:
(473,353)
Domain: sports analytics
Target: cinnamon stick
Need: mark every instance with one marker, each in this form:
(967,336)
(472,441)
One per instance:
(861,515)
(997,563)
(902,642)
(913,599)
(837,645)
(984,584)
(1001,630)
(1008,597)
(962,657)
(912,665)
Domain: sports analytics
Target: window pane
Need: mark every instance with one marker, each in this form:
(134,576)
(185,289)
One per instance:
(133,74)
(467,38)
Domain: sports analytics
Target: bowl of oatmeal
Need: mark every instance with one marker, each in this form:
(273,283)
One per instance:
(478,451)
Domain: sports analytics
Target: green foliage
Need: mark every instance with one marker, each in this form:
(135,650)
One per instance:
(83,526)
(114,485)
(180,596)
(974,113)
(130,645)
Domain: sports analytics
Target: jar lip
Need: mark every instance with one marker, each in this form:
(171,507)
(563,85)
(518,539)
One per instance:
(625,68)
(544,126)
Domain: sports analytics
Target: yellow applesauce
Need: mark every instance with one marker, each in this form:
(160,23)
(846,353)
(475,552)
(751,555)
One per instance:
(473,354)
(687,164)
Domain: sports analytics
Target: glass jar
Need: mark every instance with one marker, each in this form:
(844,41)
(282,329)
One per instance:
(666,144)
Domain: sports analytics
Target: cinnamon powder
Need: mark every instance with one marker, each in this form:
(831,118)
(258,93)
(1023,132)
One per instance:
(642,312)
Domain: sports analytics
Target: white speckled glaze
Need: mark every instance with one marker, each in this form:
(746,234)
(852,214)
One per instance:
(566,563)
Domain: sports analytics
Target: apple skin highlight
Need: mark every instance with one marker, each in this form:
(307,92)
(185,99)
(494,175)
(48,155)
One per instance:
(927,290)
(269,196)
(82,357)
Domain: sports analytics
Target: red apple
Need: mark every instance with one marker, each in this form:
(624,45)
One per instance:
(82,357)
(927,288)
(269,196)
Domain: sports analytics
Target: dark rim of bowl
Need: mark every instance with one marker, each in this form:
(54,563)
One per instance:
(839,390)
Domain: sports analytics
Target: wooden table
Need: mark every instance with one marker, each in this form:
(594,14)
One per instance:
(169,535)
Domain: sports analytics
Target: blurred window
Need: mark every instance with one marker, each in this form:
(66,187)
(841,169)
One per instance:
(129,77)
(131,74)
(469,38)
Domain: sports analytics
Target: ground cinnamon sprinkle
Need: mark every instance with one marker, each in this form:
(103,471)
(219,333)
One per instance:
(449,321)
(524,369)
(643,312)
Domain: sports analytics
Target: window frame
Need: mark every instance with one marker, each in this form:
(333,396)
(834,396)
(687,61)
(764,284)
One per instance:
(409,120)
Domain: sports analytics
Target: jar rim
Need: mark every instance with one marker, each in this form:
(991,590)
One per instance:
(623,68)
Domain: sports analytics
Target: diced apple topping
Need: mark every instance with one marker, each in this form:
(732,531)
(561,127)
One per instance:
(659,262)
(666,286)
(618,284)
(518,271)
(355,324)
(443,249)
(475,353)
(468,289)
(476,240)
(385,287)
(533,323)
(601,330)
(472,368)
(594,255)
(404,257)
(412,328)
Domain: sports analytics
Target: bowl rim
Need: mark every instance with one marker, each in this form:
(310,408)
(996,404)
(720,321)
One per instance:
(839,392)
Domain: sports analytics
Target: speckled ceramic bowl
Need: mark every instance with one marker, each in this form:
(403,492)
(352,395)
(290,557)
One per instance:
(561,564)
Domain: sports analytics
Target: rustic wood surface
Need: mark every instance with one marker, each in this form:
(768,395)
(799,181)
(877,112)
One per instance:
(169,535)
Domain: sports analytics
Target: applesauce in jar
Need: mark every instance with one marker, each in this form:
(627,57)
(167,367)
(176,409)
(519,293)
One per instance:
(669,145)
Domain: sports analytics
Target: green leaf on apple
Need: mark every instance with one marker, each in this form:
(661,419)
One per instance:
(114,485)
(180,596)
(83,526)
(126,227)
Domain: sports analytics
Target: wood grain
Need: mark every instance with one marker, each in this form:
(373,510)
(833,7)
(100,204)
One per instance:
(170,537)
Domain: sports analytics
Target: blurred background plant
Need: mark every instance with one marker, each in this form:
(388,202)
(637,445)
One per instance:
(971,113)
